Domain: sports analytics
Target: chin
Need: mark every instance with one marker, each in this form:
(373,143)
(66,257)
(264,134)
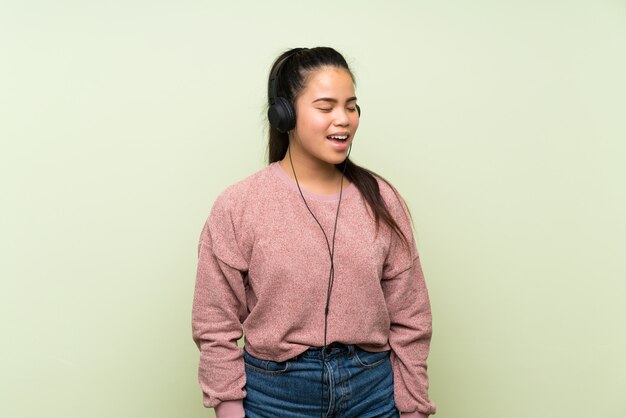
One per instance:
(338,159)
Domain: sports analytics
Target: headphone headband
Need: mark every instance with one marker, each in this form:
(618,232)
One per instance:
(280,113)
(272,92)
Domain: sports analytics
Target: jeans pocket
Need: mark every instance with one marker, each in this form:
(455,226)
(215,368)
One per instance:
(368,358)
(266,366)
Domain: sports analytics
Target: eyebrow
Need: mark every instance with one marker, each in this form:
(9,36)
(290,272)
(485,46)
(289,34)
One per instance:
(329,99)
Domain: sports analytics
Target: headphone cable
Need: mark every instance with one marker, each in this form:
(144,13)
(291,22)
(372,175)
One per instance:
(331,252)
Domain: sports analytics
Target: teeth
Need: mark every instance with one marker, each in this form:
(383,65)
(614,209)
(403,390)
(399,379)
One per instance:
(341,138)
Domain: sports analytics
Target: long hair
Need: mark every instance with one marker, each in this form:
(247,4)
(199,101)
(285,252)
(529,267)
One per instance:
(292,80)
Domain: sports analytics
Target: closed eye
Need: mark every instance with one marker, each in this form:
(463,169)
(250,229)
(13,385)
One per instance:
(350,109)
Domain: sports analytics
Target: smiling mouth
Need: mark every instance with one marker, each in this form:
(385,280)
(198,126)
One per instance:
(338,138)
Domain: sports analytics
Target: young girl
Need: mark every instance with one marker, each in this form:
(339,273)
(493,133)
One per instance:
(314,257)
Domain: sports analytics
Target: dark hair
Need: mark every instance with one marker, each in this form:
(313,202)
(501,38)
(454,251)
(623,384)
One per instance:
(292,80)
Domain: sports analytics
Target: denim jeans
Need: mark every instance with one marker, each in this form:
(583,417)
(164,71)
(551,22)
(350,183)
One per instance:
(357,384)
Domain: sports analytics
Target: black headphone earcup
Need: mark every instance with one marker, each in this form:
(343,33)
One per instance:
(358,110)
(281,115)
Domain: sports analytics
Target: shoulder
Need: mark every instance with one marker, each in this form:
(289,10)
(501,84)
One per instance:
(237,196)
(402,254)
(236,209)
(233,212)
(393,199)
(387,190)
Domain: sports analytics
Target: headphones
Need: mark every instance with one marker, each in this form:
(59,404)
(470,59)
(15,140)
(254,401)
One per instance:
(281,112)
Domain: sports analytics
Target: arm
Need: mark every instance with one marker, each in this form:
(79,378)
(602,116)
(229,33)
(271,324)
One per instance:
(219,308)
(411,321)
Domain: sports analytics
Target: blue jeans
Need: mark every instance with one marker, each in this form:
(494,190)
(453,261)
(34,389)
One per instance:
(357,384)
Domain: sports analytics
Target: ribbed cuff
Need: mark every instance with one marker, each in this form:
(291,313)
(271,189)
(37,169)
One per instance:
(230,409)
(414,414)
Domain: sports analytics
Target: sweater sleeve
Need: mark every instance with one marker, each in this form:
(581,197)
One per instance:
(410,316)
(219,308)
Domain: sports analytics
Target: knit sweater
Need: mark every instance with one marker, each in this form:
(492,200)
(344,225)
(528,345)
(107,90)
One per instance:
(263,263)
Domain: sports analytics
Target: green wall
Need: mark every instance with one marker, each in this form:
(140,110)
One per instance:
(501,122)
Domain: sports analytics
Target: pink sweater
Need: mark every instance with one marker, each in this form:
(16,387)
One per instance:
(263,262)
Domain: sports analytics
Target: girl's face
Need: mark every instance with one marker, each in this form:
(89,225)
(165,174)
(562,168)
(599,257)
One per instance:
(326,117)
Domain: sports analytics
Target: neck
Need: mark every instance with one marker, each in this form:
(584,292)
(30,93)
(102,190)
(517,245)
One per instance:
(310,171)
(318,178)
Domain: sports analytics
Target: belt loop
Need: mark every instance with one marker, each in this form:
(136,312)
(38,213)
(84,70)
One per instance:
(350,350)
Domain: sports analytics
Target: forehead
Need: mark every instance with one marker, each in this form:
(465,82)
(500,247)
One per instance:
(331,81)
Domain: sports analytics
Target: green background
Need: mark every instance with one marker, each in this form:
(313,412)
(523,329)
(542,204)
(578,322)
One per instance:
(502,123)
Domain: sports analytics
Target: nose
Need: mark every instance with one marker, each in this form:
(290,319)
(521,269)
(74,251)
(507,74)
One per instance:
(342,118)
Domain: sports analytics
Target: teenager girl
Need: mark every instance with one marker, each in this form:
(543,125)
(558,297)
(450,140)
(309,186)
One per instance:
(314,257)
